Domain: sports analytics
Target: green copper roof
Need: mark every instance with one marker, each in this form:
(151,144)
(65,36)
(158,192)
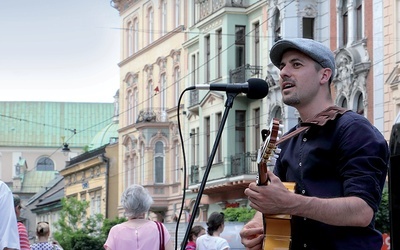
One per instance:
(107,135)
(44,124)
(36,180)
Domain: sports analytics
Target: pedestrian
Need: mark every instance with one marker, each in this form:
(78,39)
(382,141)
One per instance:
(43,234)
(9,238)
(339,166)
(138,233)
(212,240)
(195,233)
(23,233)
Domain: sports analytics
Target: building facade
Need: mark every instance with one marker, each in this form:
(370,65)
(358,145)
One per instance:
(150,86)
(391,61)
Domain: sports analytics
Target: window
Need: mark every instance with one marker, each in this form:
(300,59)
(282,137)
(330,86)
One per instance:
(142,163)
(135,103)
(194,70)
(219,149)
(207,144)
(163,92)
(130,107)
(240,45)
(343,103)
(277,113)
(177,12)
(150,20)
(45,164)
(159,162)
(193,144)
(256,30)
(130,39)
(277,25)
(359,107)
(219,53)
(257,130)
(208,58)
(359,22)
(163,17)
(177,89)
(150,95)
(177,160)
(240,131)
(95,203)
(135,35)
(345,23)
(308,27)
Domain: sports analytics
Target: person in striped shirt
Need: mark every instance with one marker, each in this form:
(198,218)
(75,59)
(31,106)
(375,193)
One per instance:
(23,233)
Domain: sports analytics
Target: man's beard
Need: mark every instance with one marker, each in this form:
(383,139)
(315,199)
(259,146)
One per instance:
(291,100)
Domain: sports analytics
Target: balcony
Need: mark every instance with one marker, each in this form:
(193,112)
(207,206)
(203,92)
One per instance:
(152,115)
(243,73)
(209,7)
(241,172)
(194,101)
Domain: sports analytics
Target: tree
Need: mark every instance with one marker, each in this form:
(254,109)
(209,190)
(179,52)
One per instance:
(75,229)
(382,221)
(239,214)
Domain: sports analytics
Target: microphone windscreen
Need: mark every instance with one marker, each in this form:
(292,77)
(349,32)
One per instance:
(258,88)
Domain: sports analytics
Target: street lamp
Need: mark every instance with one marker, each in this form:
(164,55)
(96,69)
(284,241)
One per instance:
(65,149)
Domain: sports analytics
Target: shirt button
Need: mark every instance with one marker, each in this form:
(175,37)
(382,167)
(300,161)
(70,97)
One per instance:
(299,164)
(305,245)
(304,139)
(303,191)
(304,218)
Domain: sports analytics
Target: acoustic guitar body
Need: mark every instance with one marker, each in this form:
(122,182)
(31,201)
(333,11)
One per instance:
(277,228)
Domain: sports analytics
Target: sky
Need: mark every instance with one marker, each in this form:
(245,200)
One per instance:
(63,51)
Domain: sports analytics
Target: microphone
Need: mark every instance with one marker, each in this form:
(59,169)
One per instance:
(255,88)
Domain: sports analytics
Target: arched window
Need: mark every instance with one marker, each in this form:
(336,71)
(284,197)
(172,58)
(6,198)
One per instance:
(45,164)
(159,162)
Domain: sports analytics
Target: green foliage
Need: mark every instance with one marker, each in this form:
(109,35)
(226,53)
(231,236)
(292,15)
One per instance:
(382,222)
(86,242)
(239,214)
(73,225)
(108,224)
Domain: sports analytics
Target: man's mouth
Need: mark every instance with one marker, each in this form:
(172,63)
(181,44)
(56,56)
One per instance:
(287,85)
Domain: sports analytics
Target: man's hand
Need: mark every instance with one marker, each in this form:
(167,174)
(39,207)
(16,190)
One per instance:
(252,234)
(273,198)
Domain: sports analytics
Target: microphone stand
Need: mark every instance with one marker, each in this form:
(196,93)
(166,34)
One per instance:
(228,106)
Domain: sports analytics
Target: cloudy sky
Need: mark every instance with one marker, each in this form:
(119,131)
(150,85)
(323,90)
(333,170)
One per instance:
(59,50)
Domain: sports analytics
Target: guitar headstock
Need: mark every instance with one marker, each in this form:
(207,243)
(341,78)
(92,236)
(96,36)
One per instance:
(268,153)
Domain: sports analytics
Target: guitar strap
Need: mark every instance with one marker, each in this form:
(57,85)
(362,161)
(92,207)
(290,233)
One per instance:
(320,119)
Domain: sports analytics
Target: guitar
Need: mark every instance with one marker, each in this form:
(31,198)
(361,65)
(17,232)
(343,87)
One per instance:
(276,227)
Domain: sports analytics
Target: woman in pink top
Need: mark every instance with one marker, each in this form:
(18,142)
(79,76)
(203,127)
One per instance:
(137,233)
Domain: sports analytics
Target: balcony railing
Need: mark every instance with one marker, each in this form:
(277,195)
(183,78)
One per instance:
(241,164)
(243,73)
(194,98)
(245,163)
(152,115)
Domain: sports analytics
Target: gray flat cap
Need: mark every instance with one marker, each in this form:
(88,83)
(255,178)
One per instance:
(315,50)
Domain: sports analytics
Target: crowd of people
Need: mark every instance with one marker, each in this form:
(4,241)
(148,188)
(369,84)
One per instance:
(13,233)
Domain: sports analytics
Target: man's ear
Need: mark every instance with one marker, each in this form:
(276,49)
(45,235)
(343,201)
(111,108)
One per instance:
(325,75)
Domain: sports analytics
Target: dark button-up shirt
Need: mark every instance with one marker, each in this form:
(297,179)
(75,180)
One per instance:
(345,157)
